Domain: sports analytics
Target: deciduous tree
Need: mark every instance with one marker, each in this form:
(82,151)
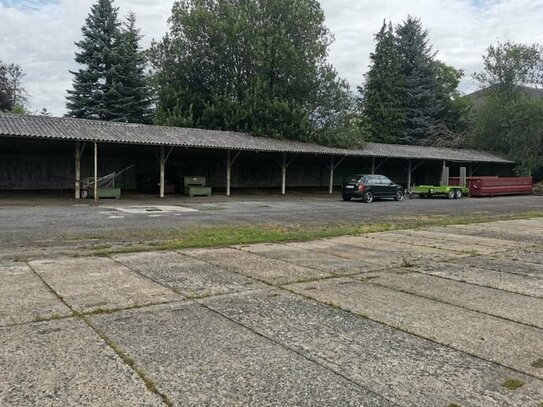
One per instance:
(13,96)
(257,66)
(510,120)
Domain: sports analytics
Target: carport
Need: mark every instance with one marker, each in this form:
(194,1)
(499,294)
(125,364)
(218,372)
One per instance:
(34,145)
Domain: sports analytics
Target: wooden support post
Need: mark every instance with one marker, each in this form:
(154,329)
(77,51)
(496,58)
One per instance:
(229,163)
(443,170)
(162,159)
(284,175)
(331,184)
(284,165)
(162,170)
(333,165)
(228,172)
(373,165)
(470,170)
(409,173)
(78,152)
(95,173)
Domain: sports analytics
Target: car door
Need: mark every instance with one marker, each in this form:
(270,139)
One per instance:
(375,186)
(388,187)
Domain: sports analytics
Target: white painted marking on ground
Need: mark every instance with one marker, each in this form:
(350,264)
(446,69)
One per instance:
(153,209)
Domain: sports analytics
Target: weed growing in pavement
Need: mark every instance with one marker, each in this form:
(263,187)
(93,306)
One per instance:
(512,384)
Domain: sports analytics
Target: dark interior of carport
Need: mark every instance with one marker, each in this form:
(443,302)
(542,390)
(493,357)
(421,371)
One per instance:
(48,164)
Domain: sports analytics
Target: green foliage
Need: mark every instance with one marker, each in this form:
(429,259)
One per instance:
(134,101)
(12,94)
(409,96)
(381,95)
(111,83)
(508,66)
(257,66)
(513,128)
(419,94)
(455,108)
(19,109)
(510,121)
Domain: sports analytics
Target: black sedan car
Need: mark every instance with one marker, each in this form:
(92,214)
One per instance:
(370,187)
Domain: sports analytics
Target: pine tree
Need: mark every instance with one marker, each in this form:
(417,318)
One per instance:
(419,92)
(133,103)
(111,84)
(381,95)
(94,85)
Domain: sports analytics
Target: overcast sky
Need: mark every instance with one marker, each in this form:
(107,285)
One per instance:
(40,34)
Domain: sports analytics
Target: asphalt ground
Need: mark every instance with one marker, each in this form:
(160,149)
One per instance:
(440,316)
(32,225)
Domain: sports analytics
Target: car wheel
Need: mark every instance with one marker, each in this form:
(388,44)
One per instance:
(458,194)
(398,196)
(368,197)
(346,197)
(451,194)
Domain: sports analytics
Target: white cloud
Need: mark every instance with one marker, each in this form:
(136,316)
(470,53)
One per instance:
(42,41)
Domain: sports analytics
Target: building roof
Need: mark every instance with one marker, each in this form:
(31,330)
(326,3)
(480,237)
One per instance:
(478,97)
(54,128)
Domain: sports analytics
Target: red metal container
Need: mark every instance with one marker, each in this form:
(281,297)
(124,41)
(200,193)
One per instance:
(492,186)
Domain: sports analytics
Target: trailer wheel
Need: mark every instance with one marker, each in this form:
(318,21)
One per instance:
(451,194)
(458,194)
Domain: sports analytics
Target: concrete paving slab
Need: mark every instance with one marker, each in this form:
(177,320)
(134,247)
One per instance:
(190,277)
(65,363)
(198,357)
(514,283)
(93,284)
(519,308)
(406,369)
(506,263)
(25,298)
(505,342)
(311,258)
(331,247)
(445,236)
(393,253)
(509,231)
(417,240)
(533,256)
(251,265)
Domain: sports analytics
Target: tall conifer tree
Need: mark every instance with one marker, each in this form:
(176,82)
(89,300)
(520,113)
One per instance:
(94,86)
(111,83)
(420,99)
(381,95)
(134,102)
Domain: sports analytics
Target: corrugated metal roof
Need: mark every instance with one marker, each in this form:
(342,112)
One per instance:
(56,128)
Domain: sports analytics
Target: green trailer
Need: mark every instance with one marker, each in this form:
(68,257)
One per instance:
(449,191)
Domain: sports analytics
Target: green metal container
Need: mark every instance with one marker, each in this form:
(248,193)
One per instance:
(105,193)
(193,191)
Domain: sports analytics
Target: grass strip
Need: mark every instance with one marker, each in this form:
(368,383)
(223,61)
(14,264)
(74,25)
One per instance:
(220,236)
